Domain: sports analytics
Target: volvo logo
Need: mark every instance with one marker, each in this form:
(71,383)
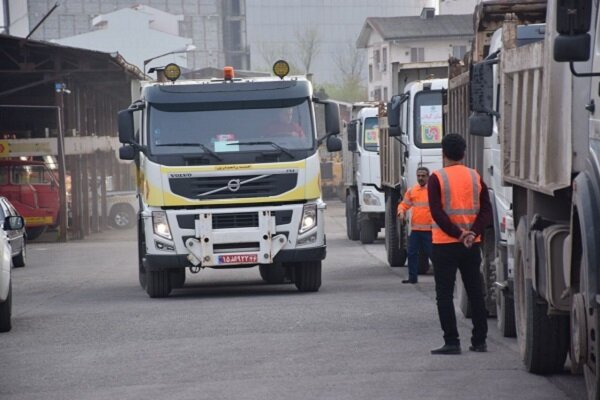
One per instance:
(234,185)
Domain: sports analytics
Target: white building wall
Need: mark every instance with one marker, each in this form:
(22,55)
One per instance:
(447,7)
(18,18)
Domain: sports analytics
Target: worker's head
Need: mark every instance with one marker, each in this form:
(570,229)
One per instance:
(422,175)
(453,147)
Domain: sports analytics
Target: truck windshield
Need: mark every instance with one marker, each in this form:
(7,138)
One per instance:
(428,119)
(221,129)
(370,138)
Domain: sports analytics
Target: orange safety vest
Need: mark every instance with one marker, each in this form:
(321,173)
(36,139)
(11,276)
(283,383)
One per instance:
(460,188)
(416,198)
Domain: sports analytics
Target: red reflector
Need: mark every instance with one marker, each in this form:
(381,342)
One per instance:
(228,73)
(503,225)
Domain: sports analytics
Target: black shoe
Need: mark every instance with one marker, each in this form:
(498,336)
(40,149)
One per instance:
(479,348)
(408,281)
(447,349)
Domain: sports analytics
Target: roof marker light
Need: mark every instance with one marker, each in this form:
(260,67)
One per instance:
(228,73)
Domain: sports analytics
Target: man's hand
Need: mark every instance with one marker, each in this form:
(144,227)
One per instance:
(400,215)
(467,238)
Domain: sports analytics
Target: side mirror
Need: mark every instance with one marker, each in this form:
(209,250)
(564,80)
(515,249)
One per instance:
(125,121)
(334,143)
(573,21)
(14,222)
(393,110)
(126,153)
(481,95)
(352,134)
(332,118)
(394,131)
(481,124)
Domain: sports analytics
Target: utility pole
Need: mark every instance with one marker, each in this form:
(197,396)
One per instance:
(61,89)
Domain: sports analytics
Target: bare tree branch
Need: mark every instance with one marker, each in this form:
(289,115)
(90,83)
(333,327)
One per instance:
(309,46)
(350,62)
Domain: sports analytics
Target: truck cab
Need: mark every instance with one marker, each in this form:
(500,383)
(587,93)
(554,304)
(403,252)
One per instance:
(229,178)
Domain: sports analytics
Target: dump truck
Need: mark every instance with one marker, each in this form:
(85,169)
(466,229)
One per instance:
(229,177)
(548,133)
(365,204)
(410,136)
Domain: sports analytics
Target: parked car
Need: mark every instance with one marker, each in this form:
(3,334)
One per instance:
(16,237)
(11,223)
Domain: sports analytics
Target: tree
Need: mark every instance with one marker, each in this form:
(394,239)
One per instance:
(271,52)
(308,45)
(350,61)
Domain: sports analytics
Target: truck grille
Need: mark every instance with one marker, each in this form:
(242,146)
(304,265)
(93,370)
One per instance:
(232,220)
(240,220)
(233,187)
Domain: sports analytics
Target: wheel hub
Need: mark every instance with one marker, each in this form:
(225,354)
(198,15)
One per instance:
(578,330)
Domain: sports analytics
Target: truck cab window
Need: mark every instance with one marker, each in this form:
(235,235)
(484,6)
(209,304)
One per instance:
(428,119)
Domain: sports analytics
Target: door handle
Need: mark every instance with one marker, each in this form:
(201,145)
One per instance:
(491,169)
(591,106)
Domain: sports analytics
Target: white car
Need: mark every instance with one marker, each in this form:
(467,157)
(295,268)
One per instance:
(10,223)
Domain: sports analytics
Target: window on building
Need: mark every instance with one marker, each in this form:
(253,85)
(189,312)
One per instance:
(384,59)
(459,51)
(370,72)
(385,94)
(236,8)
(376,57)
(417,54)
(377,94)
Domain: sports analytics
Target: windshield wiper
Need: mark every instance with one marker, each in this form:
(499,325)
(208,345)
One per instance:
(278,147)
(203,147)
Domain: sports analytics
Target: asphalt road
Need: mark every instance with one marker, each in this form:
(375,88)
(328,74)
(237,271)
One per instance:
(83,329)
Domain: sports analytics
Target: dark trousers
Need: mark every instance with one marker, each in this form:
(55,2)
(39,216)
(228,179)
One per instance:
(447,258)
(418,241)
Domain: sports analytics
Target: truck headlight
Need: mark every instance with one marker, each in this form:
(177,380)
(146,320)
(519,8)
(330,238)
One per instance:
(309,218)
(160,224)
(370,199)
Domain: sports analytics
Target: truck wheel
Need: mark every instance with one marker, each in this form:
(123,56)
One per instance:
(177,277)
(505,311)
(121,216)
(307,276)
(158,283)
(274,273)
(141,254)
(35,232)
(351,216)
(543,340)
(368,232)
(19,259)
(5,311)
(396,256)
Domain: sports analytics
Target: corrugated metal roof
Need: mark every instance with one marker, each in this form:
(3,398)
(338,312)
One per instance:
(405,28)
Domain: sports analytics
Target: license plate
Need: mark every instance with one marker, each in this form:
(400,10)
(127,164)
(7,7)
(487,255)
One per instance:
(238,259)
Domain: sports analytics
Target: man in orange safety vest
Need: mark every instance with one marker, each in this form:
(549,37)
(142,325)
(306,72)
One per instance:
(461,210)
(416,199)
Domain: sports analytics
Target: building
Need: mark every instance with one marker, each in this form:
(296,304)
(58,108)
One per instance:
(141,25)
(403,49)
(216,27)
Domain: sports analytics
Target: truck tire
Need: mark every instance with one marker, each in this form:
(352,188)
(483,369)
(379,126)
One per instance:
(35,232)
(543,340)
(141,255)
(5,311)
(396,256)
(158,283)
(177,277)
(368,231)
(19,259)
(307,276)
(121,216)
(273,273)
(351,216)
(505,307)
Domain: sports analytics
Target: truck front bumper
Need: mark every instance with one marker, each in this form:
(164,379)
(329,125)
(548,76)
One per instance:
(156,262)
